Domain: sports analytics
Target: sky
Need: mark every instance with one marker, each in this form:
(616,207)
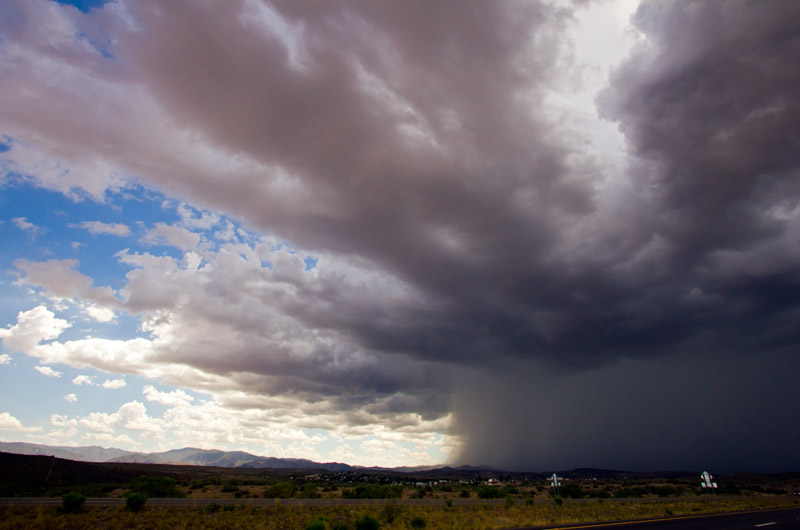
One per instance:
(534,235)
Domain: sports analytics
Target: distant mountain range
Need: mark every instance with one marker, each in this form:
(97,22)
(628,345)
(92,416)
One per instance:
(186,456)
(240,459)
(92,453)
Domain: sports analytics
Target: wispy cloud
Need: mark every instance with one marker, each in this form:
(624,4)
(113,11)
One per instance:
(100,228)
(23,224)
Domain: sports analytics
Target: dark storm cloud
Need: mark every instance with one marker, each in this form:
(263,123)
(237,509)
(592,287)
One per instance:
(707,295)
(414,139)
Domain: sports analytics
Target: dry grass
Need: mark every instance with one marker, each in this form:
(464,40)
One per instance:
(481,516)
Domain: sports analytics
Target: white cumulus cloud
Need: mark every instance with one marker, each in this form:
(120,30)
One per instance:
(46,370)
(9,422)
(100,313)
(173,399)
(113,383)
(32,327)
(83,379)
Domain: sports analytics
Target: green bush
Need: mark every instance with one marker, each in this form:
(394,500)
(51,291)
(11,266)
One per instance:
(72,502)
(571,490)
(664,491)
(229,486)
(134,500)
(367,523)
(316,524)
(156,486)
(464,493)
(489,492)
(627,493)
(213,507)
(418,522)
(599,494)
(280,490)
(310,491)
(371,491)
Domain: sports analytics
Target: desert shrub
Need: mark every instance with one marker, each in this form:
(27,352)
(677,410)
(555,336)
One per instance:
(156,486)
(730,489)
(448,503)
(599,494)
(229,486)
(310,491)
(371,491)
(339,526)
(316,524)
(510,490)
(489,492)
(134,500)
(559,501)
(464,493)
(572,490)
(418,522)
(392,491)
(509,502)
(529,501)
(279,490)
(391,510)
(626,493)
(72,502)
(367,523)
(664,491)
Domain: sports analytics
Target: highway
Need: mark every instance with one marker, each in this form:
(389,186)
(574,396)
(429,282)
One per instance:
(766,519)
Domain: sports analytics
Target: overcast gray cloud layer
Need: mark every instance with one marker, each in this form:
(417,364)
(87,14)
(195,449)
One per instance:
(414,140)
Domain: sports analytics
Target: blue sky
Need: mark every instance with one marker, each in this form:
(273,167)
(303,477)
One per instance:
(43,226)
